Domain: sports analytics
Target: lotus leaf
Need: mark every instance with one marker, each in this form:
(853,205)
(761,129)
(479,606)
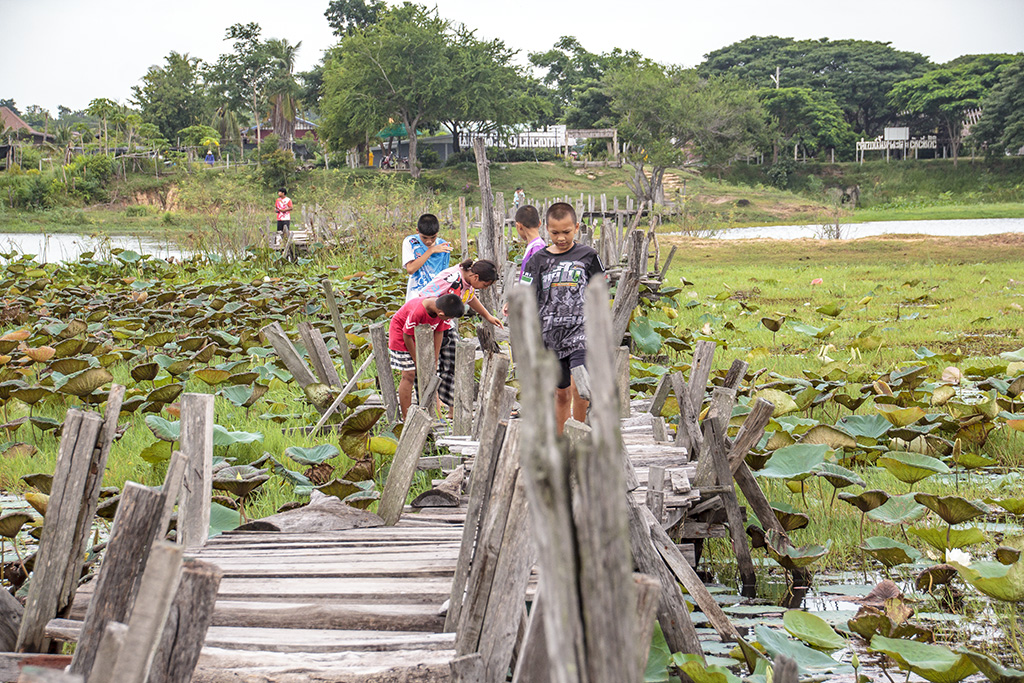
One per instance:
(838,476)
(912,467)
(952,509)
(86,381)
(808,660)
(935,663)
(11,524)
(212,376)
(831,310)
(222,519)
(973,461)
(898,510)
(240,480)
(298,480)
(130,405)
(146,372)
(68,347)
(192,343)
(223,437)
(997,580)
(796,462)
(243,378)
(645,336)
(166,393)
(782,401)
(16,336)
(157,339)
(354,431)
(1015,506)
(39,501)
(205,354)
(699,672)
(794,558)
(339,488)
(69,366)
(165,430)
(313,455)
(32,395)
(40,481)
(382,445)
(789,518)
(320,395)
(936,575)
(993,670)
(1007,555)
(44,424)
(890,552)
(830,436)
(942,395)
(812,629)
(157,452)
(865,426)
(944,538)
(40,354)
(899,417)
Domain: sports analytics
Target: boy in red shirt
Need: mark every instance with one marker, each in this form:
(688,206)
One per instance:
(430,311)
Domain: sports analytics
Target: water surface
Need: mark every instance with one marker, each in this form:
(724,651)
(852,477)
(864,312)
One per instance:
(940,228)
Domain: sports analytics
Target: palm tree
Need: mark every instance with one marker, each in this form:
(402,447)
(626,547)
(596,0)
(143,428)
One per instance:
(225,122)
(283,91)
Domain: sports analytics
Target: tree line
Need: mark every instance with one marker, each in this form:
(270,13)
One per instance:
(405,69)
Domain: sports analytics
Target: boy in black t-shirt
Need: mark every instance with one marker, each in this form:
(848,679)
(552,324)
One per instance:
(559,274)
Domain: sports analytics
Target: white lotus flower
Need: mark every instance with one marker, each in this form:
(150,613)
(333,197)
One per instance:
(961,557)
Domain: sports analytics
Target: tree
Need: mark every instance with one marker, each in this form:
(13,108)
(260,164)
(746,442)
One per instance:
(942,97)
(1001,126)
(729,121)
(173,96)
(348,16)
(198,136)
(9,103)
(283,91)
(103,108)
(805,118)
(225,122)
(399,67)
(857,73)
(241,77)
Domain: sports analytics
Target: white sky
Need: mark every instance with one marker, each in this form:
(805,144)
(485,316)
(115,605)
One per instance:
(70,51)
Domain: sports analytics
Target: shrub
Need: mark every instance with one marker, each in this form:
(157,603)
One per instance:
(428,158)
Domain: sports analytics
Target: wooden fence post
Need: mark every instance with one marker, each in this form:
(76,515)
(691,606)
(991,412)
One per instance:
(54,559)
(403,467)
(385,378)
(339,329)
(131,537)
(465,387)
(289,356)
(189,618)
(197,446)
(319,356)
(426,365)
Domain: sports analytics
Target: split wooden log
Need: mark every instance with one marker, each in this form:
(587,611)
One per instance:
(54,560)
(318,354)
(131,536)
(190,616)
(289,356)
(385,377)
(197,447)
(339,329)
(403,467)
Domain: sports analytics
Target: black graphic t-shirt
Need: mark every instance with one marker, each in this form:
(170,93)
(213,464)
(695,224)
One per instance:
(560,281)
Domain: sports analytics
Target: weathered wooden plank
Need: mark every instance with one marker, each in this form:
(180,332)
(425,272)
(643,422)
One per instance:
(722,402)
(661,393)
(81,429)
(546,467)
(36,674)
(149,614)
(90,496)
(289,356)
(189,618)
(426,365)
(385,377)
(10,621)
(403,467)
(682,570)
(468,668)
(465,387)
(715,437)
(622,379)
(217,665)
(197,446)
(349,386)
(318,354)
(750,432)
(131,536)
(648,592)
(656,491)
(700,371)
(339,329)
(110,649)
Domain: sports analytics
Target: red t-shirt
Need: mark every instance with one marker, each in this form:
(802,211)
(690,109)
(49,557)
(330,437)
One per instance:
(411,314)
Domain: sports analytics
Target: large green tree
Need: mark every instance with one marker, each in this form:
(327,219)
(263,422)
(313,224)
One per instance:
(349,16)
(857,73)
(1001,126)
(283,91)
(805,118)
(103,108)
(173,96)
(942,97)
(240,78)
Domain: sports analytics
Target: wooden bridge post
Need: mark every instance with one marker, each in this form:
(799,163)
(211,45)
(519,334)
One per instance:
(339,328)
(426,366)
(403,467)
(318,354)
(54,560)
(289,356)
(385,378)
(197,446)
(465,387)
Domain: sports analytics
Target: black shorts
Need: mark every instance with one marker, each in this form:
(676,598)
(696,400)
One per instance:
(281,225)
(573,360)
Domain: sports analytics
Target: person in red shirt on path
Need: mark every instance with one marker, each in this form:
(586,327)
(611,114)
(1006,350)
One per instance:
(432,311)
(283,207)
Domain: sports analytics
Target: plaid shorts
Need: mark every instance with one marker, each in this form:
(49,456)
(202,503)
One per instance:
(401,360)
(446,368)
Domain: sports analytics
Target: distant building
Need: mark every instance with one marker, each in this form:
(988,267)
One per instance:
(9,119)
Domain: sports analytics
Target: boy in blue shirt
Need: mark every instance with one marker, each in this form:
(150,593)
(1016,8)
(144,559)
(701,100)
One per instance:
(424,255)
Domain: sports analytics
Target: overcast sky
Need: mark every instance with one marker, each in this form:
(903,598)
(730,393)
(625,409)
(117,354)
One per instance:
(70,51)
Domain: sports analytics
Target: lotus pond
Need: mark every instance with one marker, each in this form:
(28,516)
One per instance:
(892,456)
